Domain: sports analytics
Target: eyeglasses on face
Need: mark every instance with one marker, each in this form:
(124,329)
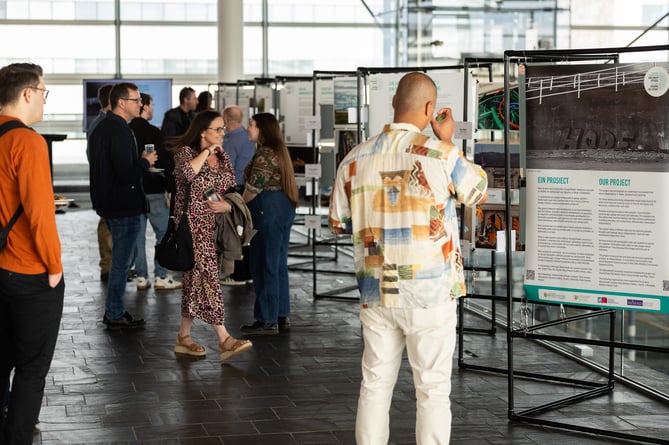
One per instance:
(45,92)
(218,130)
(137,100)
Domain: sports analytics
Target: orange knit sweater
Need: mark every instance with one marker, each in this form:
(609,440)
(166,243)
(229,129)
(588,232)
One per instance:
(33,245)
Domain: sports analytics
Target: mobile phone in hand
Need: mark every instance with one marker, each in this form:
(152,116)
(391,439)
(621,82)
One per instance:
(211,195)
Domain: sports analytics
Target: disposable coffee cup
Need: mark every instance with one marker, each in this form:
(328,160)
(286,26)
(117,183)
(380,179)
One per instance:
(149,148)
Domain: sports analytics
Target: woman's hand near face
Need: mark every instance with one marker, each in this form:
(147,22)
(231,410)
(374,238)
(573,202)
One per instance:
(216,149)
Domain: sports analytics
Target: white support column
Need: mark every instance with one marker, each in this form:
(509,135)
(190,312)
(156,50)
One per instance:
(230,40)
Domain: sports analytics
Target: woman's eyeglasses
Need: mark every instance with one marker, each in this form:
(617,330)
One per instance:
(218,130)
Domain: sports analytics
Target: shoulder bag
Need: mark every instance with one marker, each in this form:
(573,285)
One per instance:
(175,250)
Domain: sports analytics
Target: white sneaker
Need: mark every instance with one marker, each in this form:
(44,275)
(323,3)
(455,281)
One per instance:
(142,283)
(228,281)
(167,283)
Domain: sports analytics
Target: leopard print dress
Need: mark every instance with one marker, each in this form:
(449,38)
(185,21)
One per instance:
(201,293)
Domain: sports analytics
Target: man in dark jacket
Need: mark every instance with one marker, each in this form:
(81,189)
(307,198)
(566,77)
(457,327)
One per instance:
(117,194)
(177,120)
(156,185)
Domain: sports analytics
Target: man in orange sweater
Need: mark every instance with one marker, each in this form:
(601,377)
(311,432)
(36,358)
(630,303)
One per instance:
(31,272)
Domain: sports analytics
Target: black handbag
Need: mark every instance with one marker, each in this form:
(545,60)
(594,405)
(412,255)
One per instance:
(175,250)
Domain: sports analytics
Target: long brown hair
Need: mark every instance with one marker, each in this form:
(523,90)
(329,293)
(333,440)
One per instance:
(270,136)
(191,137)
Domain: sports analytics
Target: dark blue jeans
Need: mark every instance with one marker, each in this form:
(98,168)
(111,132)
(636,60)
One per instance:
(30,313)
(273,216)
(124,233)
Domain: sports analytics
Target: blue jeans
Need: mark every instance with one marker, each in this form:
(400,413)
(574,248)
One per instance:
(273,216)
(30,314)
(124,239)
(158,216)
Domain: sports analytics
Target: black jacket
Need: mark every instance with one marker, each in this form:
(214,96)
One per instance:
(116,170)
(145,133)
(175,122)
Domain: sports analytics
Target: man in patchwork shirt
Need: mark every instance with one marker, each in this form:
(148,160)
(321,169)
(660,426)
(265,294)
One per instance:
(396,194)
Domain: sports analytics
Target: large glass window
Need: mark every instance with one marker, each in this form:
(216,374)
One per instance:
(158,50)
(60,49)
(300,51)
(308,11)
(169,10)
(57,9)
(620,23)
(178,38)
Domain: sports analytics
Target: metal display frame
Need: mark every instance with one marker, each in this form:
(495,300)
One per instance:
(470,63)
(530,332)
(281,82)
(492,297)
(312,235)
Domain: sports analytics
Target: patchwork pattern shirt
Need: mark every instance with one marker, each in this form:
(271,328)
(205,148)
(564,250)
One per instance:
(397,194)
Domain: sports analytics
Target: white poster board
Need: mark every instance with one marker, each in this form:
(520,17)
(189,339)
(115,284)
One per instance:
(296,109)
(325,91)
(228,95)
(382,86)
(245,98)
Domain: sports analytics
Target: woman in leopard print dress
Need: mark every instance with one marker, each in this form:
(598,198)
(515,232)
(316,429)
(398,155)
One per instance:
(201,164)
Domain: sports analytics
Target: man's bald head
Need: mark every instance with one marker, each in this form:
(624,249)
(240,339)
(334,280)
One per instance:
(233,117)
(415,99)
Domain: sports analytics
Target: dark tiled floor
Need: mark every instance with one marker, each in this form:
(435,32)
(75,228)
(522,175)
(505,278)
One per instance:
(299,387)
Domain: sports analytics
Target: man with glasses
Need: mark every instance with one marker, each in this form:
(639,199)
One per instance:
(31,272)
(117,194)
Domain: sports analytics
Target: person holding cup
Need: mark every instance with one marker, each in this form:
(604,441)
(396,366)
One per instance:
(157,187)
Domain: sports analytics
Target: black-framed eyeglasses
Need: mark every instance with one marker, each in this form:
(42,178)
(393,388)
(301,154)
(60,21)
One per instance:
(45,92)
(218,130)
(137,100)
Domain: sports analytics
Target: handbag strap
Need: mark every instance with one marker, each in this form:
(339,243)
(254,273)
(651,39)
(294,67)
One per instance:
(4,128)
(173,200)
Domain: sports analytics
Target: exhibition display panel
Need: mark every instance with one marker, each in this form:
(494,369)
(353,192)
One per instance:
(594,158)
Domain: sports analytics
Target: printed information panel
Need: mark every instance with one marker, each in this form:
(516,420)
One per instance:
(598,172)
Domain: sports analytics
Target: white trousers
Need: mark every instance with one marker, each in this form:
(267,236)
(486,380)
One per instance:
(429,336)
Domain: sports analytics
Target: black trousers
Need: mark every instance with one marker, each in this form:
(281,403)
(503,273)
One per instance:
(242,271)
(30,314)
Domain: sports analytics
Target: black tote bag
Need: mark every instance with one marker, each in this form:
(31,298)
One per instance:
(175,250)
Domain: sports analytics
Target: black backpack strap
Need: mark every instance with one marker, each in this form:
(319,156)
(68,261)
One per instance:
(10,125)
(15,216)
(4,128)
